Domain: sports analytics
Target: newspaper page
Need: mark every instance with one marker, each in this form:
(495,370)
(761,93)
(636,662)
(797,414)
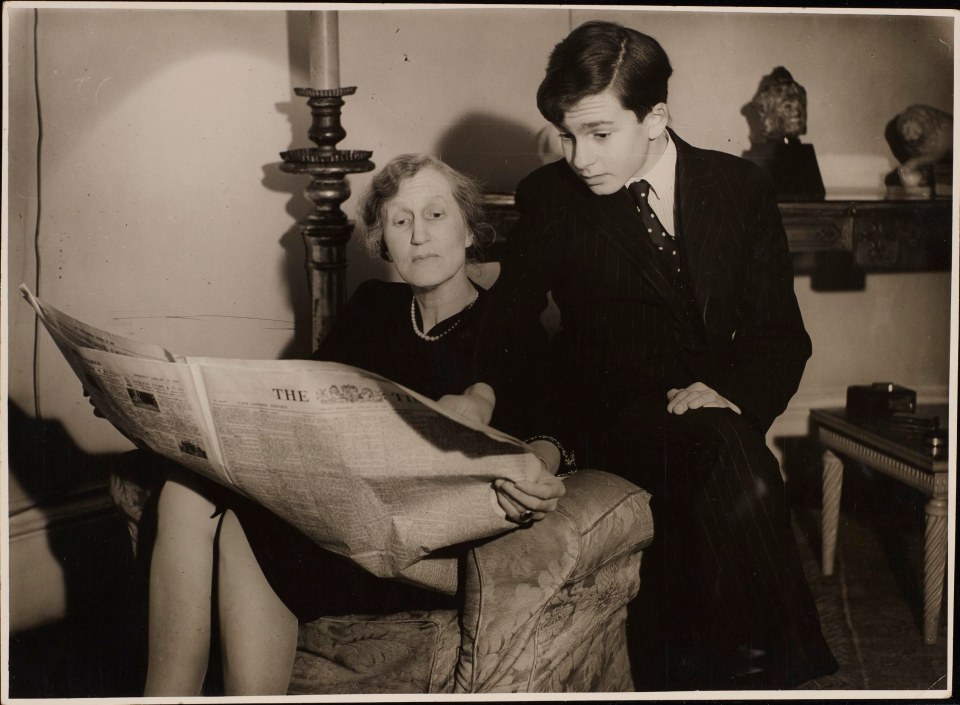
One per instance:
(64,328)
(365,467)
(154,404)
(360,464)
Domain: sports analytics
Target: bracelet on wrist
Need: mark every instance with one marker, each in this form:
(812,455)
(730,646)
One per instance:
(567,458)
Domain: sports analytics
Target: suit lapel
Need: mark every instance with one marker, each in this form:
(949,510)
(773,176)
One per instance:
(701,221)
(614,219)
(701,218)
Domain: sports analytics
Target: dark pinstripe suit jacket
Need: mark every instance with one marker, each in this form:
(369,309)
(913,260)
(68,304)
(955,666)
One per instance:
(626,332)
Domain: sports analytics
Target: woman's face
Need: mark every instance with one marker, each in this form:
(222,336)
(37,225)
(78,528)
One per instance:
(425,231)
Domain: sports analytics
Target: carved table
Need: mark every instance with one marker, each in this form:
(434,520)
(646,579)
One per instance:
(878,235)
(905,457)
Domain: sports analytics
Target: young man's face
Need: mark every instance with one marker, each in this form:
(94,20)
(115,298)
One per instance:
(605,144)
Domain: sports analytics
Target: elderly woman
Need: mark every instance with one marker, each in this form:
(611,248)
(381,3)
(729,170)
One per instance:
(424,218)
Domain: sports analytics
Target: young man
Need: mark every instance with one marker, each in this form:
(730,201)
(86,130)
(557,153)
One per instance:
(681,342)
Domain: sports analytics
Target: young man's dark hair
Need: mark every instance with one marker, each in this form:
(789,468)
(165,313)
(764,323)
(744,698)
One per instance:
(601,55)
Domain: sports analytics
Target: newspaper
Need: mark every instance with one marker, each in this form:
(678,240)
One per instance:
(365,467)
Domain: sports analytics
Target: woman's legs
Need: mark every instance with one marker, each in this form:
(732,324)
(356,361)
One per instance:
(181,574)
(258,632)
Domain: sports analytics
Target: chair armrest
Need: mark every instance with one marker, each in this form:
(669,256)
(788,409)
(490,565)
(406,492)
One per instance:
(518,586)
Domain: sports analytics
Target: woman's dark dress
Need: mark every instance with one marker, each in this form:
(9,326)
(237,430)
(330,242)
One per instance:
(374,333)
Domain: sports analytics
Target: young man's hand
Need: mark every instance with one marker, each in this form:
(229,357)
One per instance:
(697,396)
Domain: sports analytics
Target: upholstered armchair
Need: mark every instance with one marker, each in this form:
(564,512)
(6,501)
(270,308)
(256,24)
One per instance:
(541,609)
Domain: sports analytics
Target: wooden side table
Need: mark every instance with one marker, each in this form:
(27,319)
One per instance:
(905,457)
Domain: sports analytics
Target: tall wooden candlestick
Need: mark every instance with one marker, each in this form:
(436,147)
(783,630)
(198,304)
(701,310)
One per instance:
(327,229)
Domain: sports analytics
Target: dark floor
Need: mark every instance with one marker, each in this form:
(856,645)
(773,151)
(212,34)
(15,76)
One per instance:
(871,606)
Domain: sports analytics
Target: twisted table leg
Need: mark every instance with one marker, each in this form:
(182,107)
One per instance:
(832,486)
(934,564)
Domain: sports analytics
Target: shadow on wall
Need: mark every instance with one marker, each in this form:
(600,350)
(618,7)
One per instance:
(498,151)
(101,629)
(294,262)
(53,470)
(752,116)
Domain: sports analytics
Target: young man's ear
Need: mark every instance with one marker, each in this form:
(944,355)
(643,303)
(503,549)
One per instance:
(657,120)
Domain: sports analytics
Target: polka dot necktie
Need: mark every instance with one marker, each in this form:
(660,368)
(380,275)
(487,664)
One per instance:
(657,233)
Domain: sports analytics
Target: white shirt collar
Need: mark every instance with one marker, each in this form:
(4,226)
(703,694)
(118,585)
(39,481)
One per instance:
(662,176)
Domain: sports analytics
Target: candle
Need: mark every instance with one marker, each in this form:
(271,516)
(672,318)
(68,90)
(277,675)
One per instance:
(324,50)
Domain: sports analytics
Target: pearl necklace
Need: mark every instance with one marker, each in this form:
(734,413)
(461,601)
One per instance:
(434,338)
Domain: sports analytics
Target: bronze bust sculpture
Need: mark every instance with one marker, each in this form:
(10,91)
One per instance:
(781,104)
(780,107)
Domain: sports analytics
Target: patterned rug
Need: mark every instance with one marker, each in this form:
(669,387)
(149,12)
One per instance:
(870,608)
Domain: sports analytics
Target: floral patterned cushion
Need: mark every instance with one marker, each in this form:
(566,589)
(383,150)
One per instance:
(407,652)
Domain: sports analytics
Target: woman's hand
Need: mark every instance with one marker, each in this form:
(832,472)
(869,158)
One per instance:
(476,403)
(100,415)
(530,500)
(96,409)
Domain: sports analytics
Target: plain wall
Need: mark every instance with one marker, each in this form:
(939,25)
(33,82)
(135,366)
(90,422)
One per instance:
(164,216)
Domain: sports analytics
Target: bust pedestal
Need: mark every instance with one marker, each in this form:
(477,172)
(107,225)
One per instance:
(794,169)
